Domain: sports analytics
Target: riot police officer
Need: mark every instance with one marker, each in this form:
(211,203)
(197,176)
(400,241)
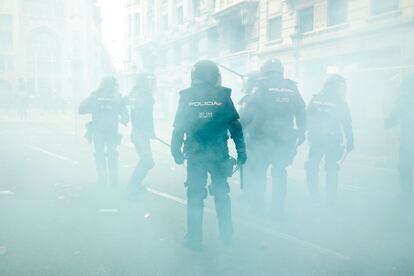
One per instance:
(204,117)
(329,120)
(250,85)
(275,119)
(107,110)
(403,115)
(141,101)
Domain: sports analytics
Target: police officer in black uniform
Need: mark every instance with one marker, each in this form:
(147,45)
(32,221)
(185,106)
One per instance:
(275,118)
(141,102)
(329,120)
(204,118)
(403,115)
(251,82)
(107,110)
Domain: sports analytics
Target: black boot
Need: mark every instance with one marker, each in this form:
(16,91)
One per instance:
(101,169)
(312,180)
(113,168)
(279,180)
(194,236)
(224,218)
(331,186)
(138,176)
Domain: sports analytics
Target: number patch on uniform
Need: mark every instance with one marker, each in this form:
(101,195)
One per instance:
(205,115)
(282,99)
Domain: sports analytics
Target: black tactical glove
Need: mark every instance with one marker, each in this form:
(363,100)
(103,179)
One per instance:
(178,158)
(241,158)
(349,146)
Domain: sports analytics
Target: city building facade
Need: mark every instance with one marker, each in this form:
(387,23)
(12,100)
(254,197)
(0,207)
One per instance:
(51,49)
(370,42)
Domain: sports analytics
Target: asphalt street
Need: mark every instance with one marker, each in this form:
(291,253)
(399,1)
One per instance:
(54,219)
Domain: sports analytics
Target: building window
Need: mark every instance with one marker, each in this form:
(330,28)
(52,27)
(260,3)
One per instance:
(383,6)
(337,12)
(131,26)
(194,47)
(213,42)
(178,54)
(137,24)
(180,15)
(6,32)
(306,18)
(6,64)
(165,22)
(196,8)
(274,28)
(5,5)
(237,37)
(44,8)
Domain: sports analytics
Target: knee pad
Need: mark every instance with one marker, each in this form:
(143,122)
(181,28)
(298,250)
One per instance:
(148,163)
(196,192)
(218,189)
(222,197)
(195,203)
(332,167)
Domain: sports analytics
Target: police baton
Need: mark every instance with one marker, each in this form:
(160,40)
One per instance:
(162,142)
(344,157)
(231,71)
(240,169)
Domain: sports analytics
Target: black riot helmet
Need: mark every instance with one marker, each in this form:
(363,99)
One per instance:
(335,87)
(205,71)
(109,85)
(251,81)
(272,68)
(145,82)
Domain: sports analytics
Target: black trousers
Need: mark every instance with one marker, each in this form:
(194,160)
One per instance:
(198,168)
(332,152)
(146,161)
(106,157)
(262,155)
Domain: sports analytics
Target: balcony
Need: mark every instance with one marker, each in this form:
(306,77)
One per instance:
(231,7)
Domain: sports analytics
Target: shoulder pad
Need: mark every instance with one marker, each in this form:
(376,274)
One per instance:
(225,90)
(291,82)
(185,91)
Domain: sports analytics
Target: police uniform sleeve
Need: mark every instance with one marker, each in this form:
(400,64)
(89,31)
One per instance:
(179,126)
(234,125)
(300,110)
(123,111)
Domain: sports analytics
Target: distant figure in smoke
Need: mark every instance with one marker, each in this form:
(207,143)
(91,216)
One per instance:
(141,101)
(107,109)
(403,115)
(275,121)
(204,117)
(329,120)
(250,87)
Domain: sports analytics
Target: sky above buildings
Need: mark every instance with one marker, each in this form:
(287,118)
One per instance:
(113,29)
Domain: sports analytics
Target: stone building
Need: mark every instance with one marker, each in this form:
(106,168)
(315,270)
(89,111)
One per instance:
(370,42)
(51,48)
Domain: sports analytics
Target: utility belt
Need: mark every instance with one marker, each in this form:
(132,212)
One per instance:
(277,136)
(92,130)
